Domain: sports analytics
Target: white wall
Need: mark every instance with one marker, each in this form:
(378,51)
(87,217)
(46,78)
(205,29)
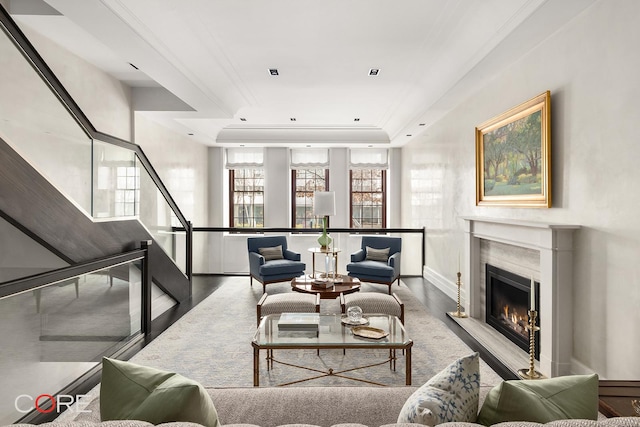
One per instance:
(277,185)
(183,167)
(103,99)
(590,66)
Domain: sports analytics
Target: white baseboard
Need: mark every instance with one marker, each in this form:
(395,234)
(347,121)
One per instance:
(579,368)
(442,283)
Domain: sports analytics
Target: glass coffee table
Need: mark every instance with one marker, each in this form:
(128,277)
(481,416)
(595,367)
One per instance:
(332,334)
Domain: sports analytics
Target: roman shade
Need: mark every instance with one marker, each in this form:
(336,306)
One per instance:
(309,158)
(244,158)
(369,158)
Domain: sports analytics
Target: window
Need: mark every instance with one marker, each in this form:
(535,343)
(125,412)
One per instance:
(368,178)
(246,198)
(368,198)
(305,182)
(246,187)
(127,194)
(309,173)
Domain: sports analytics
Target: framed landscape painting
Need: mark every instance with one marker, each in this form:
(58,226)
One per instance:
(513,156)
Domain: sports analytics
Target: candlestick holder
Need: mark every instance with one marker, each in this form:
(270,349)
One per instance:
(531,373)
(458,313)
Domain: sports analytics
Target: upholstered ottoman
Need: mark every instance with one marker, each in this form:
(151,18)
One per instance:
(287,303)
(374,303)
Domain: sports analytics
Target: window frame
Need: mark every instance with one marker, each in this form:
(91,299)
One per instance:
(232,192)
(294,193)
(384,198)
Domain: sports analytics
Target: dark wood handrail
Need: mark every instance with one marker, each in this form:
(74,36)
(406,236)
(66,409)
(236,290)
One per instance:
(357,231)
(52,277)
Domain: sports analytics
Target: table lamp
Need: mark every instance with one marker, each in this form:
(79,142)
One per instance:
(324,204)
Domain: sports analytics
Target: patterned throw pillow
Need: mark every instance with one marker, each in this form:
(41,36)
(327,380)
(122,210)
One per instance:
(374,254)
(271,253)
(451,395)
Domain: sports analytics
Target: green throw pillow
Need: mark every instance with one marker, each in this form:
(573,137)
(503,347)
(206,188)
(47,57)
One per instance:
(542,401)
(451,395)
(134,392)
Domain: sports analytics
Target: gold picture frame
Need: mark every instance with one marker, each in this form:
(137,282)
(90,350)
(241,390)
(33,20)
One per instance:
(513,156)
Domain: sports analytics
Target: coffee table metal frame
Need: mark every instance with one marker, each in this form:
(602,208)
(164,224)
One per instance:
(305,285)
(332,334)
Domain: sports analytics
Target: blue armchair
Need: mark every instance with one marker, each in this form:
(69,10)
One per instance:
(270,261)
(378,260)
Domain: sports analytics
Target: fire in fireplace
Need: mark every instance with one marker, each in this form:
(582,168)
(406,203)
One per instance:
(508,297)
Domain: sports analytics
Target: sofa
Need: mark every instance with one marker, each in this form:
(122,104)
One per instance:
(129,391)
(311,406)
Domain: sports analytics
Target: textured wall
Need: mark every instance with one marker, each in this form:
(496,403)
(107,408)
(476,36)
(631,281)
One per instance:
(590,67)
(104,100)
(183,167)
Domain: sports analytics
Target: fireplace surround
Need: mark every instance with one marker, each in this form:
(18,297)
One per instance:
(554,243)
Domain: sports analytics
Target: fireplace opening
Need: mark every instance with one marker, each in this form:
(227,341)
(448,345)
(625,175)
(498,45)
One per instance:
(508,298)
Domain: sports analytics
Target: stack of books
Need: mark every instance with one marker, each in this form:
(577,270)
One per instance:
(306,322)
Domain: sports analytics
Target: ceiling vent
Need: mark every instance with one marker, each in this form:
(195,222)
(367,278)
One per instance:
(374,71)
(273,71)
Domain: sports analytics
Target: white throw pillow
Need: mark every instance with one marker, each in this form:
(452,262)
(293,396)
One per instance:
(451,395)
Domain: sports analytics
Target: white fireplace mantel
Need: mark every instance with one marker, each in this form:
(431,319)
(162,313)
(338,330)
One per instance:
(555,244)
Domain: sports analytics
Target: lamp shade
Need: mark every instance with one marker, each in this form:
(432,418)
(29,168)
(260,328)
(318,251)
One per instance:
(324,203)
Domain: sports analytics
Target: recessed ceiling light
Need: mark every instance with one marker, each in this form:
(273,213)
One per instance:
(356,119)
(293,119)
(374,71)
(242,119)
(273,71)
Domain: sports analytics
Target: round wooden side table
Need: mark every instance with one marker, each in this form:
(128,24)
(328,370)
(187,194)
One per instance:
(344,285)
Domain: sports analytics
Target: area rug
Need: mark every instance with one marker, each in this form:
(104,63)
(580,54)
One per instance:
(212,344)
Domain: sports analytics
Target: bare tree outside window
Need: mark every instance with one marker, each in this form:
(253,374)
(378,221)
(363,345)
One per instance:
(246,194)
(368,198)
(304,183)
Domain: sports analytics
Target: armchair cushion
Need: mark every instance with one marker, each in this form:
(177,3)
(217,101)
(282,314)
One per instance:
(374,254)
(278,267)
(371,268)
(271,253)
